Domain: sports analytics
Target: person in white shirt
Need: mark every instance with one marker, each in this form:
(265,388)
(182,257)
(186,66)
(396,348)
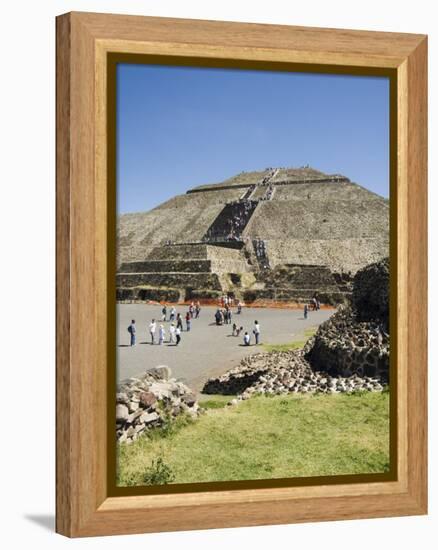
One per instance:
(152,329)
(161,334)
(172,333)
(178,335)
(246,339)
(256,331)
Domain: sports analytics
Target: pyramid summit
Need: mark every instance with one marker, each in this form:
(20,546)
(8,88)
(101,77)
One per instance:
(275,234)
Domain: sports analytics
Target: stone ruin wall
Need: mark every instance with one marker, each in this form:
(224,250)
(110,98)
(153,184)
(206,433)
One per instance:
(180,252)
(356,339)
(169,280)
(343,255)
(167,266)
(345,347)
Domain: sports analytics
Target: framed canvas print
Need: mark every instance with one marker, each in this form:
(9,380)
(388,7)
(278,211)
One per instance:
(241,274)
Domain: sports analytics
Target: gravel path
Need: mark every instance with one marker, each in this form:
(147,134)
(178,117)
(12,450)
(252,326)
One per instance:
(207,350)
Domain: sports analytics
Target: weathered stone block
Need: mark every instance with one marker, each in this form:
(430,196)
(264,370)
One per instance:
(122,413)
(147,399)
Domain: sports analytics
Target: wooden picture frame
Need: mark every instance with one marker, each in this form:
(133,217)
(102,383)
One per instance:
(85,43)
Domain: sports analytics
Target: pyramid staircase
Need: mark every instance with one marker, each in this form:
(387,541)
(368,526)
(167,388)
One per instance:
(231,221)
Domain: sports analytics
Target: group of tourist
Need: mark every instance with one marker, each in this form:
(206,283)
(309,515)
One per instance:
(230,301)
(174,333)
(248,192)
(269,193)
(232,227)
(223,315)
(247,337)
(315,304)
(226,301)
(239,219)
(260,250)
(271,173)
(175,327)
(192,313)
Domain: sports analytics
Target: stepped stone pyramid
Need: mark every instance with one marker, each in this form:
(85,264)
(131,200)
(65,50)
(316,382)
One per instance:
(279,234)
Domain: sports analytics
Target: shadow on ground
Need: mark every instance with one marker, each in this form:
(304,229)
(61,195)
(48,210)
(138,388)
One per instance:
(46,521)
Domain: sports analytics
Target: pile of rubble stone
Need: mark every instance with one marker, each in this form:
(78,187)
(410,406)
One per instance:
(284,372)
(240,378)
(150,401)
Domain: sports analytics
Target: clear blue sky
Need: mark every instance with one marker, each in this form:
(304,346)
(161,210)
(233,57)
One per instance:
(179,127)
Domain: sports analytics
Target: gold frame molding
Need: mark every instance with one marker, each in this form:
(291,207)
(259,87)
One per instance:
(85,43)
(112,60)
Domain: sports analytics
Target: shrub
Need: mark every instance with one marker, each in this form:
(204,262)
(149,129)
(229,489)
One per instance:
(159,473)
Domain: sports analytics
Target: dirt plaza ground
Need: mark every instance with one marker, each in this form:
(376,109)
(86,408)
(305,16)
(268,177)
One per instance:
(207,350)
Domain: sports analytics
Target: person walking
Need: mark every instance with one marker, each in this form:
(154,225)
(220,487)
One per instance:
(234,333)
(178,335)
(188,320)
(179,321)
(131,330)
(246,339)
(256,332)
(152,329)
(172,314)
(172,333)
(306,310)
(161,335)
(164,313)
(198,309)
(239,307)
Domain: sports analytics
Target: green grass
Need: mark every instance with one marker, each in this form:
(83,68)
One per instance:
(216,401)
(267,437)
(296,344)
